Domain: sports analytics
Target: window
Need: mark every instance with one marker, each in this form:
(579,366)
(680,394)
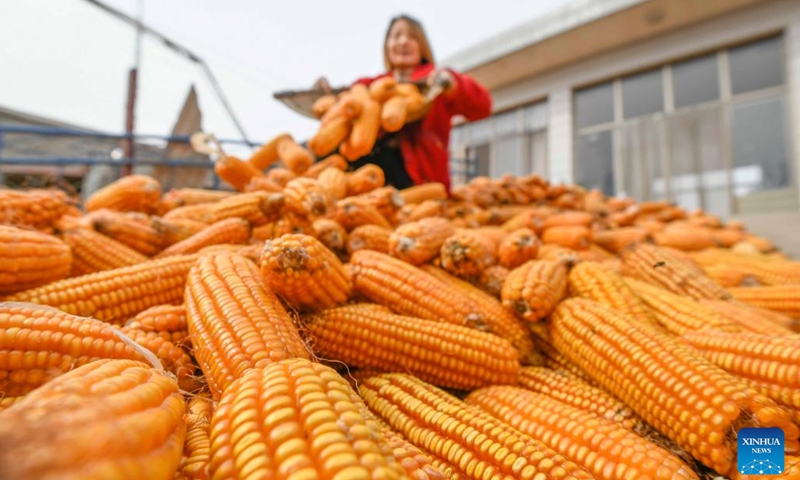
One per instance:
(595,105)
(642,94)
(760,143)
(481,154)
(596,161)
(756,65)
(695,81)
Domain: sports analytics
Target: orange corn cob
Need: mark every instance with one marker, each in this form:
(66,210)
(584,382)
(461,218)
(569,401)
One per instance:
(532,218)
(555,360)
(517,248)
(290,222)
(138,193)
(419,242)
(533,289)
(416,463)
(236,172)
(492,280)
(754,319)
(267,154)
(576,237)
(676,313)
(369,237)
(331,161)
(330,135)
(498,320)
(467,254)
(6,402)
(195,196)
(428,208)
(304,272)
(576,393)
(115,295)
(138,232)
(425,191)
(304,421)
(41,343)
(306,197)
(258,208)
(179,229)
(662,267)
(557,253)
(334,183)
(262,184)
(94,252)
(172,358)
(229,231)
(618,239)
(574,432)
(764,270)
(477,445)
(235,323)
(731,275)
(386,200)
(769,363)
(365,179)
(197,447)
(451,356)
(726,237)
(169,321)
(565,219)
(332,235)
(35,208)
(29,259)
(196,213)
(66,422)
(686,238)
(294,156)
(687,398)
(351,213)
(280,176)
(408,290)
(597,282)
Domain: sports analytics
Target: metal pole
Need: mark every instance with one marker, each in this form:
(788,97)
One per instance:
(130,107)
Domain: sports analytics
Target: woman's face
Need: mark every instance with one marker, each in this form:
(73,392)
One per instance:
(403,47)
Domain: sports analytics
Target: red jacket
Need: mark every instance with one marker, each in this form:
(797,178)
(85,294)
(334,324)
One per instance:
(424,144)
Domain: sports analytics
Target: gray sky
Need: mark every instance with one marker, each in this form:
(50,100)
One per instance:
(68,60)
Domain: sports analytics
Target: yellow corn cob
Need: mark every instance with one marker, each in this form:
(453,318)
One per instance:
(334,183)
(477,445)
(574,433)
(419,242)
(364,179)
(306,197)
(369,237)
(662,267)
(467,253)
(228,231)
(258,208)
(447,355)
(138,193)
(618,239)
(195,196)
(754,319)
(533,289)
(416,463)
(36,208)
(138,232)
(783,299)
(66,422)
(577,393)
(296,419)
(408,290)
(517,248)
(764,270)
(94,252)
(353,212)
(197,447)
(304,272)
(235,323)
(596,282)
(29,259)
(492,280)
(172,357)
(555,360)
(426,191)
(169,321)
(682,395)
(678,314)
(498,320)
(40,343)
(115,295)
(332,235)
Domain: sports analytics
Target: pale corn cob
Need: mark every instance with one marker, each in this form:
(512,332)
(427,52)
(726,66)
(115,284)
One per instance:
(783,299)
(447,355)
(7,401)
(312,426)
(575,433)
(39,343)
(228,231)
(30,259)
(369,237)
(419,242)
(579,394)
(333,182)
(138,193)
(94,252)
(688,399)
(304,272)
(448,428)
(676,313)
(533,289)
(235,322)
(115,295)
(66,423)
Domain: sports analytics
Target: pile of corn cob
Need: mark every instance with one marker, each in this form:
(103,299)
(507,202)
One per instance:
(317,324)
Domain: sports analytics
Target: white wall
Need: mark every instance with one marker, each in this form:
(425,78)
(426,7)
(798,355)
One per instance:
(557,86)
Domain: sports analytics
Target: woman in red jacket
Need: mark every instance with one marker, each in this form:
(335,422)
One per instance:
(418,153)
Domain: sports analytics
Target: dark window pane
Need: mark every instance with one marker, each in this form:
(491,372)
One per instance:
(594,167)
(507,157)
(642,94)
(695,81)
(595,105)
(759,144)
(757,65)
(481,156)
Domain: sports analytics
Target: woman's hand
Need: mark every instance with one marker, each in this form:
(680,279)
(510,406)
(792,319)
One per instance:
(443,78)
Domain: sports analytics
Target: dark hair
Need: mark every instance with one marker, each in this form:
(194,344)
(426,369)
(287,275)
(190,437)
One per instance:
(419,34)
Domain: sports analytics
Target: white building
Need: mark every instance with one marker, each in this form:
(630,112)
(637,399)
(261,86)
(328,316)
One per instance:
(692,101)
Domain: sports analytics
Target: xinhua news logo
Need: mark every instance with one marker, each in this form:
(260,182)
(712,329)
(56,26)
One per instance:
(761,451)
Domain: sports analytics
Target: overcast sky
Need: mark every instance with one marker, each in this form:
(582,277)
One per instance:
(68,59)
